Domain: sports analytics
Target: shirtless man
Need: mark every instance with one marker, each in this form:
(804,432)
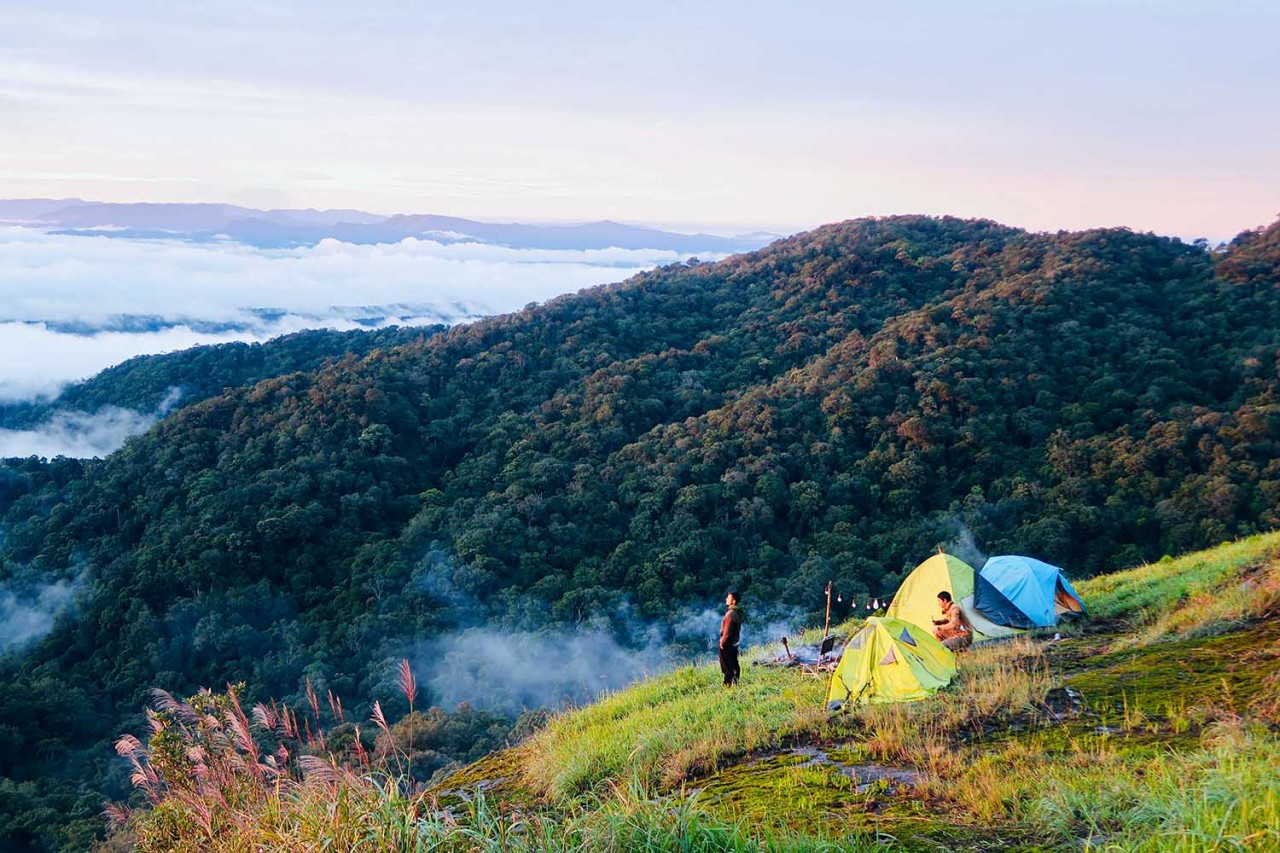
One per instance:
(950,629)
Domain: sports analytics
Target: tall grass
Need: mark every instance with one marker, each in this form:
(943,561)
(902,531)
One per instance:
(1197,593)
(994,685)
(1226,797)
(217,779)
(345,813)
(607,777)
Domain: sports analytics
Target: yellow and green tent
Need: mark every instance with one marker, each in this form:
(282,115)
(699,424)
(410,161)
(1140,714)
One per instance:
(890,660)
(917,599)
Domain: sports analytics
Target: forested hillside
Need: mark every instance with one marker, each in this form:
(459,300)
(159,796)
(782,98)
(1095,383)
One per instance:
(143,383)
(830,407)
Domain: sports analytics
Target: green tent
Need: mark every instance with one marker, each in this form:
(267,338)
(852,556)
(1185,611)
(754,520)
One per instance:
(917,599)
(890,660)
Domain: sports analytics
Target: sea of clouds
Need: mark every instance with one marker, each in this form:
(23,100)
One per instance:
(83,434)
(73,305)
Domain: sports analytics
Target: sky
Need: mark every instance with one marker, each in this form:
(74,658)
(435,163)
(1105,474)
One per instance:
(1158,115)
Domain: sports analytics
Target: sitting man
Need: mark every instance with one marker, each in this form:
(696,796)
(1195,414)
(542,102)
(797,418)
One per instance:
(951,629)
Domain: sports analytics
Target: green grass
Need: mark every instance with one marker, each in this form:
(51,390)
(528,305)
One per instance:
(662,731)
(1194,675)
(1223,797)
(362,815)
(684,723)
(1176,750)
(1208,591)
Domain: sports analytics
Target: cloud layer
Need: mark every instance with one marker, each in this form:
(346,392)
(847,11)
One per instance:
(83,434)
(71,306)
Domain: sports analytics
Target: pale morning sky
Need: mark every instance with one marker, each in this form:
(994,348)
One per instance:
(1047,114)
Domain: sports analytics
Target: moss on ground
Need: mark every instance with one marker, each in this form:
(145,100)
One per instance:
(1174,679)
(837,795)
(499,776)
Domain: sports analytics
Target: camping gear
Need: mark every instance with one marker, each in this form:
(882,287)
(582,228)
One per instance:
(916,600)
(806,657)
(1025,592)
(890,660)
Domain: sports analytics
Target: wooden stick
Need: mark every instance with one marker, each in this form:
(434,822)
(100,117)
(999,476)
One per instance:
(826,626)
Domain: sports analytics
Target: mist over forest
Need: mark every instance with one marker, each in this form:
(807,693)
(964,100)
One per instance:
(79,303)
(567,491)
(90,298)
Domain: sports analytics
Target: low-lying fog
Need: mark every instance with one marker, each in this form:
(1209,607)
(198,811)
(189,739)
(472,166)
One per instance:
(71,306)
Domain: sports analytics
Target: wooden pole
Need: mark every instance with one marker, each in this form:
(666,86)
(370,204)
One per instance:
(826,626)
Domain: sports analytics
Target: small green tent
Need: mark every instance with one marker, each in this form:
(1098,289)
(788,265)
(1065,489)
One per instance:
(890,660)
(917,599)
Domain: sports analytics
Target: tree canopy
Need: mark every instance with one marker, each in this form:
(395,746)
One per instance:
(831,407)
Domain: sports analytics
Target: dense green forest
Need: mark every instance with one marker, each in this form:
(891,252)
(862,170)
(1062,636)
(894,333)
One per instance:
(143,383)
(832,406)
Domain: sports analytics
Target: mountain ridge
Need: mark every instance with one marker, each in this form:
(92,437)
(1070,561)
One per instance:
(283,227)
(823,409)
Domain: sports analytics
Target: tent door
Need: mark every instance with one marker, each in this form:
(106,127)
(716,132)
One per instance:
(1065,602)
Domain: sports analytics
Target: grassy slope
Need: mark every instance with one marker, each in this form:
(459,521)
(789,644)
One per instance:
(986,749)
(1153,726)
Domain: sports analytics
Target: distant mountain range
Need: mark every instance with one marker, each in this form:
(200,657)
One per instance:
(284,228)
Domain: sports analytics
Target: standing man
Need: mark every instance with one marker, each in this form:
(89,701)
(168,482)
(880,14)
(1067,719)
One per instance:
(730,632)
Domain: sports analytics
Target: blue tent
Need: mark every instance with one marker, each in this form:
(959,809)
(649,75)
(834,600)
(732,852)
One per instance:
(1038,591)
